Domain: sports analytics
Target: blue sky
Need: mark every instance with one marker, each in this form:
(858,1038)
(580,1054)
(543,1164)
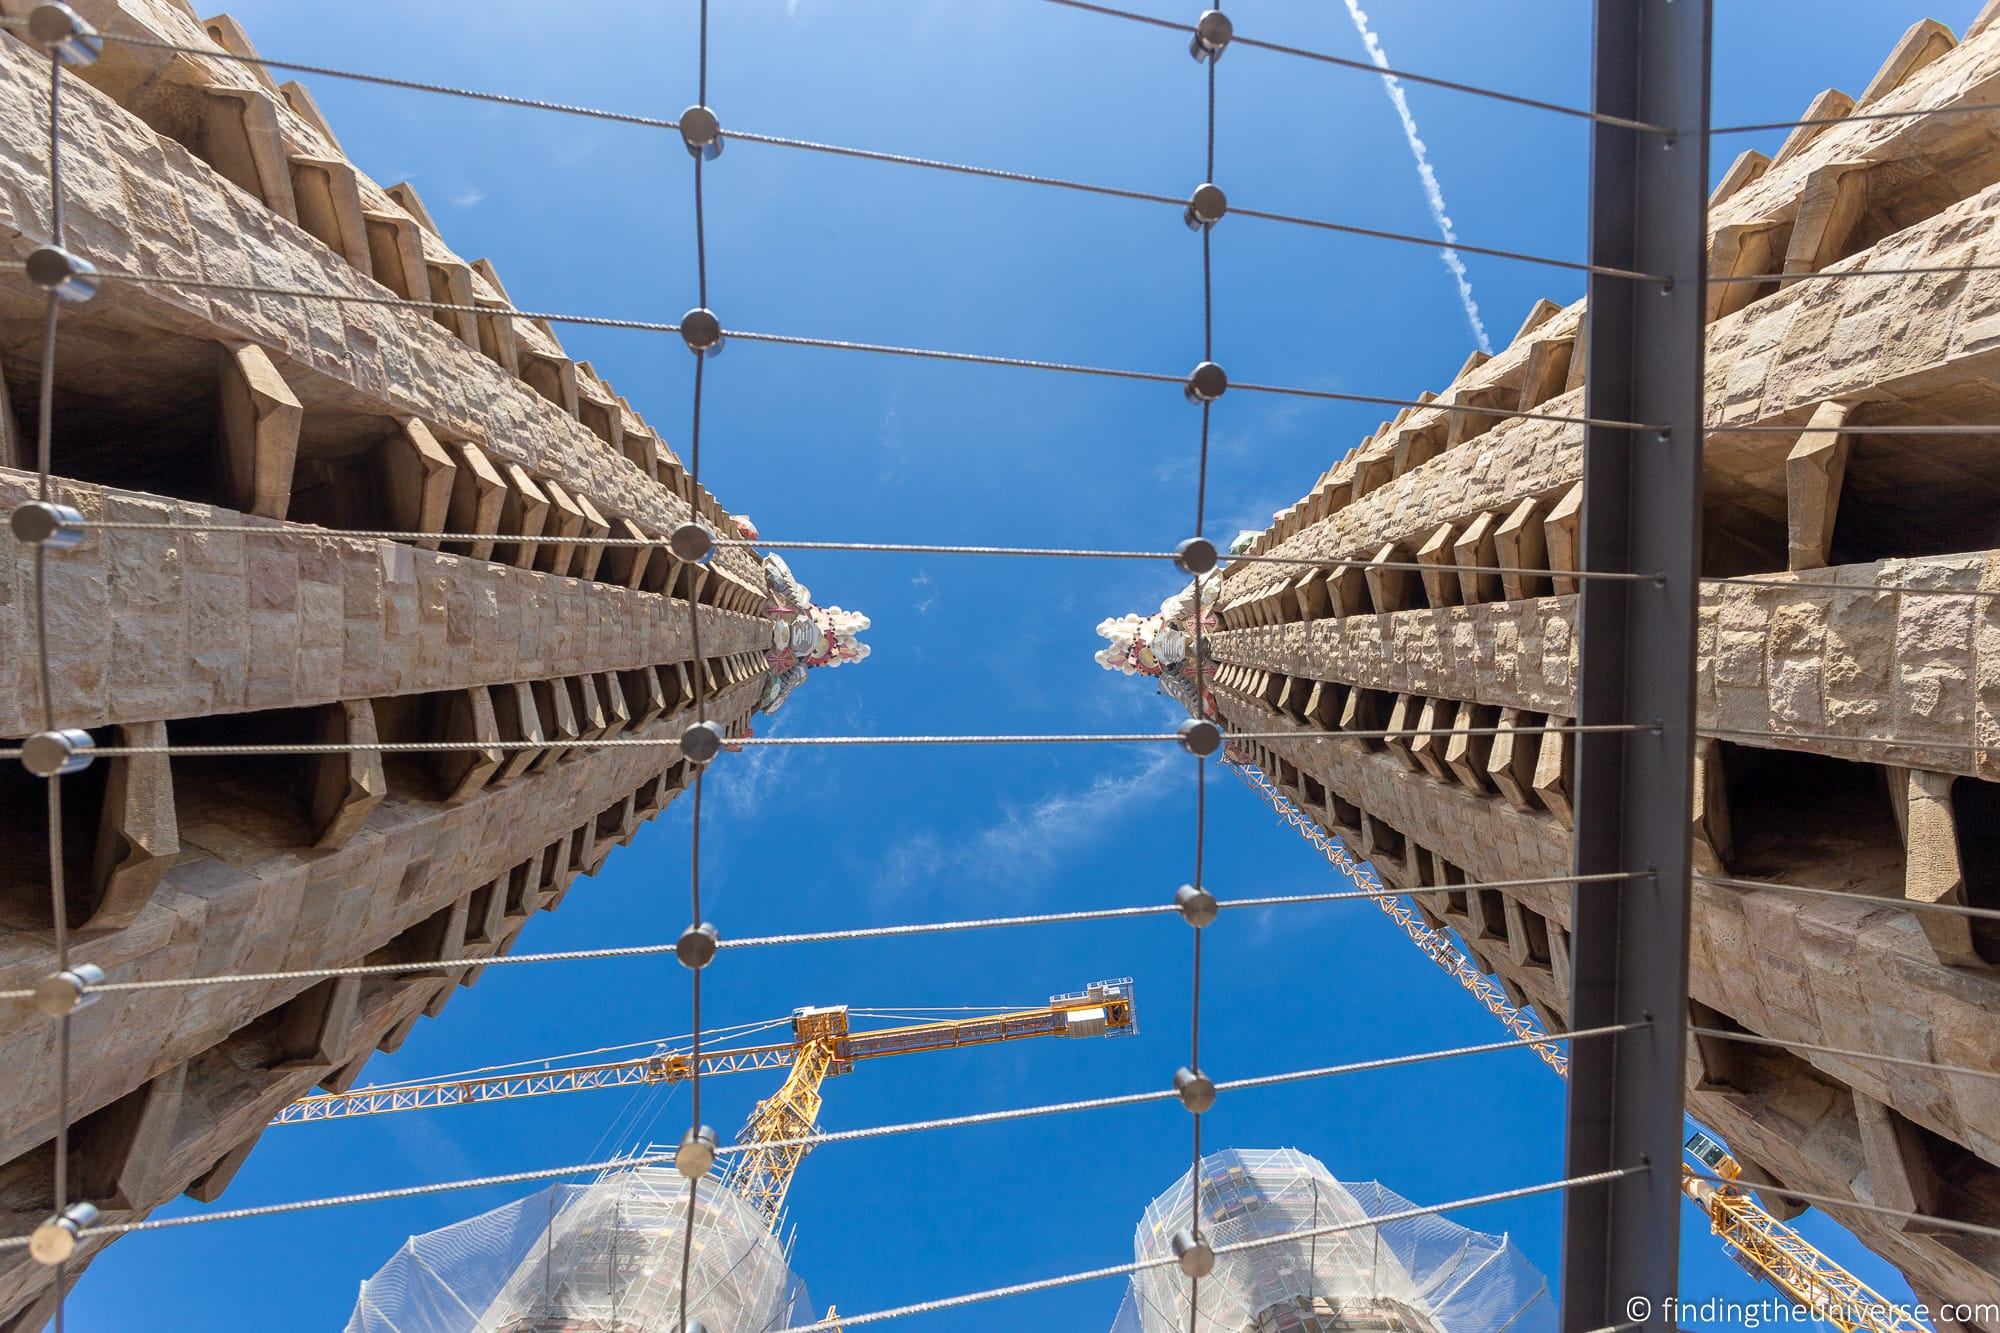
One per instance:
(593,217)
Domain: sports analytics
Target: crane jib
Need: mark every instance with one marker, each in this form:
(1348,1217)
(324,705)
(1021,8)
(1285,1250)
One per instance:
(861,1045)
(1105,1008)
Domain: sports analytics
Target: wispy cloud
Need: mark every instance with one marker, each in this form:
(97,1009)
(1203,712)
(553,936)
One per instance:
(1026,839)
(922,583)
(422,1138)
(469,197)
(749,782)
(1254,515)
(895,450)
(1432,192)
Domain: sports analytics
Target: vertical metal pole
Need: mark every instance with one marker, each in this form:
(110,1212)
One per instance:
(1641,513)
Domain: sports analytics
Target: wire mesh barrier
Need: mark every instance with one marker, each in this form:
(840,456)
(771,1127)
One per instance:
(1242,1237)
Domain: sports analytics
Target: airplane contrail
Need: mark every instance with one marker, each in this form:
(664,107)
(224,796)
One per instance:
(1394,87)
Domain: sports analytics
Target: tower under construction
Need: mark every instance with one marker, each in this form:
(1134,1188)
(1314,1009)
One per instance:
(1355,1264)
(598,1258)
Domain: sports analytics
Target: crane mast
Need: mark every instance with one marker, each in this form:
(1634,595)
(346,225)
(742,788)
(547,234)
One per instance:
(1761,1245)
(771,1137)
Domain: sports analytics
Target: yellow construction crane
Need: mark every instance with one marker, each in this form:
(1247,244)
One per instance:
(822,1046)
(1760,1244)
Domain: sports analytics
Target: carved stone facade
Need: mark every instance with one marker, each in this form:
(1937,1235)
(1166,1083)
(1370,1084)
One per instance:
(272,419)
(1840,713)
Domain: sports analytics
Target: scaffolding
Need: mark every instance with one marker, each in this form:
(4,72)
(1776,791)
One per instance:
(1347,1271)
(598,1258)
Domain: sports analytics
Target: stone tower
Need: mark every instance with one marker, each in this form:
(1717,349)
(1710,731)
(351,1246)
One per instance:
(288,417)
(1845,684)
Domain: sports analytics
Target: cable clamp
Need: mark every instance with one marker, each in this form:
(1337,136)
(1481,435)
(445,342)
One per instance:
(46,523)
(55,1240)
(56,754)
(63,35)
(1206,207)
(697,945)
(702,332)
(1212,32)
(700,743)
(1193,1254)
(1200,737)
(702,133)
(67,276)
(692,542)
(1196,556)
(1196,1089)
(696,1153)
(1206,383)
(69,990)
(1197,905)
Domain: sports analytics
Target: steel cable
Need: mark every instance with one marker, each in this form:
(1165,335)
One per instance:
(838,1136)
(1321,57)
(45,491)
(769,941)
(879,349)
(1901,1061)
(1238,1247)
(1213,60)
(699,675)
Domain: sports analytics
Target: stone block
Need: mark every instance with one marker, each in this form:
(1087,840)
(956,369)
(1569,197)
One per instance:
(418,478)
(260,431)
(1933,871)
(346,787)
(138,835)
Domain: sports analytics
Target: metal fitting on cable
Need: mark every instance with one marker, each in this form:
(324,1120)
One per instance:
(68,991)
(1200,737)
(63,34)
(701,742)
(1196,556)
(692,542)
(68,276)
(697,945)
(1206,207)
(1197,905)
(46,523)
(1192,1253)
(702,133)
(1206,383)
(696,1153)
(702,332)
(1212,32)
(56,754)
(1196,1089)
(55,1240)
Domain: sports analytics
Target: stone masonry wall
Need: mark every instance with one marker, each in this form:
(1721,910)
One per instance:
(1849,668)
(280,421)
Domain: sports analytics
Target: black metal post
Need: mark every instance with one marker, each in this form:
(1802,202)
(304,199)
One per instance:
(1642,513)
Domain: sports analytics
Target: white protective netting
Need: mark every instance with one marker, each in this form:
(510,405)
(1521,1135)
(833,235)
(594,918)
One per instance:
(604,1257)
(1416,1275)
